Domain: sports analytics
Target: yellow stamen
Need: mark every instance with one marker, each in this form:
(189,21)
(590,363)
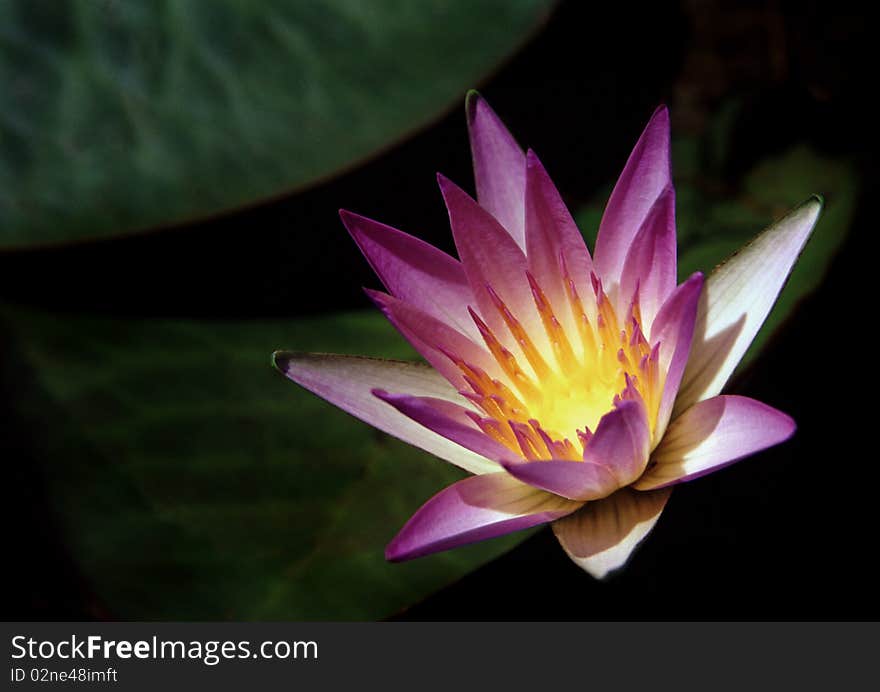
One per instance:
(552,415)
(522,338)
(561,347)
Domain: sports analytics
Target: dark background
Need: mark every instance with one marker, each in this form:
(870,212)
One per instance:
(790,534)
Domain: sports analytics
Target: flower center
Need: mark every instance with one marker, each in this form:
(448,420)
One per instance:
(576,375)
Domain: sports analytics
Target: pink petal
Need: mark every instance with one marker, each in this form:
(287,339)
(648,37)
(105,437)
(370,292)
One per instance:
(552,236)
(576,480)
(348,382)
(602,535)
(435,340)
(712,434)
(449,420)
(646,174)
(475,509)
(499,167)
(414,271)
(491,258)
(738,297)
(621,442)
(673,329)
(650,264)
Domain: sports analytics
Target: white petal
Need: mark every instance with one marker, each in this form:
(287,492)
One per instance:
(348,381)
(601,535)
(737,298)
(475,509)
(712,434)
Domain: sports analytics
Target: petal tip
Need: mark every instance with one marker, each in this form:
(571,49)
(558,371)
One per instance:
(790,426)
(378,297)
(697,277)
(471,100)
(350,220)
(281,360)
(393,553)
(813,206)
(659,120)
(816,204)
(661,112)
(452,191)
(478,110)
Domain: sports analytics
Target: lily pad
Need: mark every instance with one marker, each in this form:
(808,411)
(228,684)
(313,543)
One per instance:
(193,481)
(123,115)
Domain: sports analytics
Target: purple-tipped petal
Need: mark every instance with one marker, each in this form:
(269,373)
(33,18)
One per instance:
(551,238)
(414,271)
(622,441)
(449,420)
(475,509)
(712,434)
(435,340)
(499,167)
(602,535)
(490,258)
(646,174)
(576,480)
(650,265)
(737,299)
(348,382)
(673,329)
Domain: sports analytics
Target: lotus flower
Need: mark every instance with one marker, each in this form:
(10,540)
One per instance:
(577,389)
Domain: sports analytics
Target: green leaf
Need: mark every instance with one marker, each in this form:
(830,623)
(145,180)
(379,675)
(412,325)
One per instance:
(122,115)
(713,221)
(193,481)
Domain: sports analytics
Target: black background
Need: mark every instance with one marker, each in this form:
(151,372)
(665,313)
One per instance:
(790,534)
